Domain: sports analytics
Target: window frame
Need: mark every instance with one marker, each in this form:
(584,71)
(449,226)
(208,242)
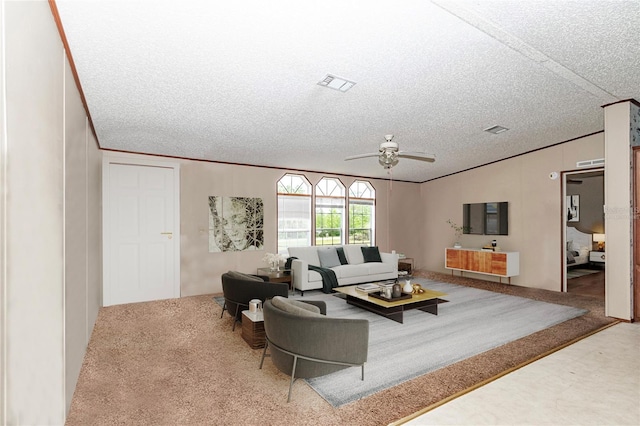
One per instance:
(283,249)
(370,201)
(343,216)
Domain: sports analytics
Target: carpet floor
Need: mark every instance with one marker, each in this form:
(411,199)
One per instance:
(176,362)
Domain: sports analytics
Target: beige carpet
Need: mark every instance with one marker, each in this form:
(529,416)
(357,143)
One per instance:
(177,362)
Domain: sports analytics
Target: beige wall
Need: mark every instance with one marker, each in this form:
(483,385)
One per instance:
(535,221)
(591,192)
(618,211)
(51,196)
(82,232)
(201,270)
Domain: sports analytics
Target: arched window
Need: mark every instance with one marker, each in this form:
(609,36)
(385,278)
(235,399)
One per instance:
(362,218)
(330,216)
(294,212)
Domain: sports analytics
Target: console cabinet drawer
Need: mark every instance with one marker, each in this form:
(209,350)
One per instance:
(503,264)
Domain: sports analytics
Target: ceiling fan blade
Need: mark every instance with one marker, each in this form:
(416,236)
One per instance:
(355,157)
(422,156)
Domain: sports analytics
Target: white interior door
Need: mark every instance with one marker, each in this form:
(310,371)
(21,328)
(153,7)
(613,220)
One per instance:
(141,233)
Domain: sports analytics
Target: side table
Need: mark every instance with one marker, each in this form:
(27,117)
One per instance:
(406,264)
(253,329)
(279,276)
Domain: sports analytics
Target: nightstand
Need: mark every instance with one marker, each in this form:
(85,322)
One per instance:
(597,257)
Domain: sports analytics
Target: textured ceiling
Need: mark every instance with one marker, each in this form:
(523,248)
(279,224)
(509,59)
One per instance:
(236,81)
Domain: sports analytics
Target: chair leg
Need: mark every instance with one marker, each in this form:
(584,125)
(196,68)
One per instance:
(293,376)
(224,306)
(264,353)
(235,318)
(362,372)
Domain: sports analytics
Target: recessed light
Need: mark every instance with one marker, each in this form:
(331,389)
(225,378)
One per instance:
(496,129)
(336,83)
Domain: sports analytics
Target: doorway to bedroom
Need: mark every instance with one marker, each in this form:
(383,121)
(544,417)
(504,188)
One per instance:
(584,233)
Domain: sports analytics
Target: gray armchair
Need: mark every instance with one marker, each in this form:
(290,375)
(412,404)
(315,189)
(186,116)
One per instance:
(304,343)
(239,289)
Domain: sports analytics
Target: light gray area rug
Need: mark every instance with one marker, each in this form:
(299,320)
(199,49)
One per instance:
(472,322)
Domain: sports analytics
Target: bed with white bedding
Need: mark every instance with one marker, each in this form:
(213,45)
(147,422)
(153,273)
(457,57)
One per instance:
(578,247)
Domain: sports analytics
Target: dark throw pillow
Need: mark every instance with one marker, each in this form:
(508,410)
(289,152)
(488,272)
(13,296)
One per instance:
(371,254)
(342,256)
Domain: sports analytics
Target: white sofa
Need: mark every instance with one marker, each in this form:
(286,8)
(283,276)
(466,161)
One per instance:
(355,272)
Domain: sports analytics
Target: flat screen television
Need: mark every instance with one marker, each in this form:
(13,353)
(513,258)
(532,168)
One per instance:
(486,218)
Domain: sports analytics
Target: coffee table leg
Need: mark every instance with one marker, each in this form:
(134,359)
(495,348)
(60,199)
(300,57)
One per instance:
(396,316)
(432,309)
(394,313)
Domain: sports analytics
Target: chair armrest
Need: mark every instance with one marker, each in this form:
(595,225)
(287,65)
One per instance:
(320,304)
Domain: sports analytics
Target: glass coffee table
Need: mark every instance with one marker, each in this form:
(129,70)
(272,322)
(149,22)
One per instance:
(390,308)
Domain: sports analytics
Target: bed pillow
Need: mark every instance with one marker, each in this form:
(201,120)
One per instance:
(328,257)
(371,254)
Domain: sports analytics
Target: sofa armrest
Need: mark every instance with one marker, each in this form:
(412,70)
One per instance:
(300,271)
(391,258)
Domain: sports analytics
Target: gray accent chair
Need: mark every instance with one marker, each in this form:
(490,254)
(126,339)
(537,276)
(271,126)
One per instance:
(239,289)
(304,343)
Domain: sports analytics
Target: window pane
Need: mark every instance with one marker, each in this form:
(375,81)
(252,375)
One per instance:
(294,213)
(361,213)
(330,218)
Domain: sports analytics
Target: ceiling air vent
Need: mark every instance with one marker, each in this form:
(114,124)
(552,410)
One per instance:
(495,129)
(336,83)
(591,163)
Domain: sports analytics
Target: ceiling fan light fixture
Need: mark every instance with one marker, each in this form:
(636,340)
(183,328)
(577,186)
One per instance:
(495,129)
(336,83)
(388,159)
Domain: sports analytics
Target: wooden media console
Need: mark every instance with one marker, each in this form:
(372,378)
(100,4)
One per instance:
(496,263)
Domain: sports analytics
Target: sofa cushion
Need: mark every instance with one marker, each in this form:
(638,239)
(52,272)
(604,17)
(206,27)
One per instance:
(328,257)
(342,256)
(309,254)
(371,254)
(350,271)
(374,268)
(240,276)
(295,307)
(354,254)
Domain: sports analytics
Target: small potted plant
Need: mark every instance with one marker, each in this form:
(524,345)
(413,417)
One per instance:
(459,230)
(273,260)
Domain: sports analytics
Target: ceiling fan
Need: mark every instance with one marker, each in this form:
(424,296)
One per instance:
(388,154)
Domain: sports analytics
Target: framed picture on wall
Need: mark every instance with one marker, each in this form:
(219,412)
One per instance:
(573,208)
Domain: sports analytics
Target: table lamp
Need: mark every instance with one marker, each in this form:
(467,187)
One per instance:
(599,238)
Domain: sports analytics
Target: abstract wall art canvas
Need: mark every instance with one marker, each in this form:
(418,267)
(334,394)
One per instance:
(235,224)
(573,208)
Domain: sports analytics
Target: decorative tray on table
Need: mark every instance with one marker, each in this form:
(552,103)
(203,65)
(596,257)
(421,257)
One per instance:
(403,296)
